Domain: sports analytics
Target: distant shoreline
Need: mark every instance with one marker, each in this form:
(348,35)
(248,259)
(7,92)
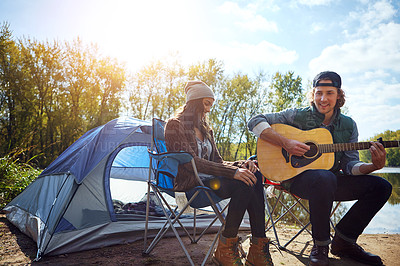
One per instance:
(388,170)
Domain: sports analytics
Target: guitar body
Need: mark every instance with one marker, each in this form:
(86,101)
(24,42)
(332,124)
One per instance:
(277,165)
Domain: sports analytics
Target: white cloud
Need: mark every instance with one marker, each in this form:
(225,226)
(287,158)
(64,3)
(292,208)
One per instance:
(376,74)
(313,2)
(258,23)
(239,56)
(263,52)
(374,119)
(316,27)
(379,50)
(374,15)
(376,91)
(266,5)
(247,18)
(373,103)
(236,56)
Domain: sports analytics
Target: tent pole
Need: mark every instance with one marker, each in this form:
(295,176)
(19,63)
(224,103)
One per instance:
(148,194)
(38,255)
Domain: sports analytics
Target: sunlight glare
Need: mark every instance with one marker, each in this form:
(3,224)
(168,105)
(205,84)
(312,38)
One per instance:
(137,32)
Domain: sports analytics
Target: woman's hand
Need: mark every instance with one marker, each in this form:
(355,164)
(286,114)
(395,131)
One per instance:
(249,164)
(244,175)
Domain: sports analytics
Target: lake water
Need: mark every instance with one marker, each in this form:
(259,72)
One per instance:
(387,219)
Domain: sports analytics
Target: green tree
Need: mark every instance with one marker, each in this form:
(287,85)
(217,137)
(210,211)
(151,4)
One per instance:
(52,93)
(392,154)
(14,116)
(157,89)
(210,71)
(109,86)
(78,72)
(239,100)
(256,104)
(285,92)
(93,89)
(231,106)
(42,65)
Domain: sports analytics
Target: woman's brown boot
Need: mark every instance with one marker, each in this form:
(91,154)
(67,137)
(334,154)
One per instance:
(227,252)
(259,252)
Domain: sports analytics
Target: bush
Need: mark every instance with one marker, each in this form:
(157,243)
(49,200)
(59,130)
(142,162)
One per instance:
(14,178)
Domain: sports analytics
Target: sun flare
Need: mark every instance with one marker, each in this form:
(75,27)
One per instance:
(140,31)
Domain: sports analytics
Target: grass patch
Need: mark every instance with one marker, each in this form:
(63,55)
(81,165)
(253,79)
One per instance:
(14,178)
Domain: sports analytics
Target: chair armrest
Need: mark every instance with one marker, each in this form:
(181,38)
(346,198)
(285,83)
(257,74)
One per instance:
(181,156)
(171,160)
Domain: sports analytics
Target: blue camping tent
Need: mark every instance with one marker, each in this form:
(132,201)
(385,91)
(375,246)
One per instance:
(78,202)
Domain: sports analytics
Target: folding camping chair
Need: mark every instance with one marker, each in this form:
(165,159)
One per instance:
(164,166)
(282,205)
(287,204)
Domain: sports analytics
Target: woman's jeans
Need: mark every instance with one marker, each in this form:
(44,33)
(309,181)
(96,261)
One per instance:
(243,197)
(322,187)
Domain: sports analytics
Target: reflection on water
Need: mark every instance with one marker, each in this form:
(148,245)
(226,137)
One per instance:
(386,221)
(394,179)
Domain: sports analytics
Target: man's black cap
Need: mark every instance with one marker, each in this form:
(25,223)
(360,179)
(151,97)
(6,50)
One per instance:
(332,76)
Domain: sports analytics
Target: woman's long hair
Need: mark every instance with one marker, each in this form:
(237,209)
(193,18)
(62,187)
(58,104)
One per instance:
(191,115)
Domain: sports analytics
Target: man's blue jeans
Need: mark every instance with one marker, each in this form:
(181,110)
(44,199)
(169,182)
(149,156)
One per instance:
(322,187)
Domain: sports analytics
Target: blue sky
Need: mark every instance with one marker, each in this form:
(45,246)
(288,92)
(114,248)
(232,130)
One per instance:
(358,39)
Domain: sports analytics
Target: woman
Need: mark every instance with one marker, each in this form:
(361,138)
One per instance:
(240,181)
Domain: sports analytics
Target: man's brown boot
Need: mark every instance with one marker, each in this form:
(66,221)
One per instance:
(259,252)
(227,252)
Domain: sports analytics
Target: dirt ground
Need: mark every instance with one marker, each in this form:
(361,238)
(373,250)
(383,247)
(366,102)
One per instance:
(18,249)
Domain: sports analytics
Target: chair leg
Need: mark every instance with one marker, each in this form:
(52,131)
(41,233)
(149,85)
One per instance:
(210,250)
(296,235)
(211,224)
(288,210)
(270,218)
(194,226)
(176,219)
(172,219)
(304,227)
(162,232)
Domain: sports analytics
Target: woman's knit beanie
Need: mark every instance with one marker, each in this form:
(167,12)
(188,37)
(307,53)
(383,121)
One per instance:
(196,90)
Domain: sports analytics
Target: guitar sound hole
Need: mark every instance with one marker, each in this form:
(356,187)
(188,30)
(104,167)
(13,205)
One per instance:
(313,150)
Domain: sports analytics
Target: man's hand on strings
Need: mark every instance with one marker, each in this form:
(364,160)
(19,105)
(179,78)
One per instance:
(378,155)
(295,147)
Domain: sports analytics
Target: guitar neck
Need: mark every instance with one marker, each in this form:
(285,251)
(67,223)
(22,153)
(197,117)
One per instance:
(325,148)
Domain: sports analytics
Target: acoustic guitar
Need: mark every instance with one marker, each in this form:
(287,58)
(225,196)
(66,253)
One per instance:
(277,164)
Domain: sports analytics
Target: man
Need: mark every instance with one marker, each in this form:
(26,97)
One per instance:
(347,180)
